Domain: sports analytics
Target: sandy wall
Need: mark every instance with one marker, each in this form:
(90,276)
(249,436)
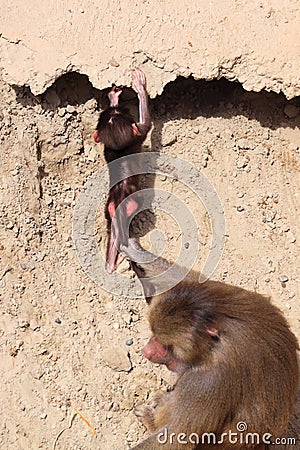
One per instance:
(256,43)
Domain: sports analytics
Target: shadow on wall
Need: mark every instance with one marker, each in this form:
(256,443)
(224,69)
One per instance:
(184,98)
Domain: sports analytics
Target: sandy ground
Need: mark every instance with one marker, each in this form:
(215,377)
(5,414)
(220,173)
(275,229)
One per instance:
(65,342)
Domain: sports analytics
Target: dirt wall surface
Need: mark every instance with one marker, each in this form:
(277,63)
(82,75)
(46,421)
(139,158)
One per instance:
(256,43)
(65,341)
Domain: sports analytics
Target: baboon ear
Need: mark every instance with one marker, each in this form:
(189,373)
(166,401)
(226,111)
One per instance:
(96,136)
(136,131)
(212,332)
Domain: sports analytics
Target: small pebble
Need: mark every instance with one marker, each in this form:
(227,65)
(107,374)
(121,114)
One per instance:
(271,215)
(127,318)
(31,265)
(290,237)
(70,109)
(57,321)
(129,342)
(43,416)
(23,266)
(113,62)
(61,112)
(242,162)
(34,325)
(283,279)
(163,178)
(240,194)
(240,208)
(288,306)
(186,245)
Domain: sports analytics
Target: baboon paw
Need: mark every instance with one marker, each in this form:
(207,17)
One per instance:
(145,414)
